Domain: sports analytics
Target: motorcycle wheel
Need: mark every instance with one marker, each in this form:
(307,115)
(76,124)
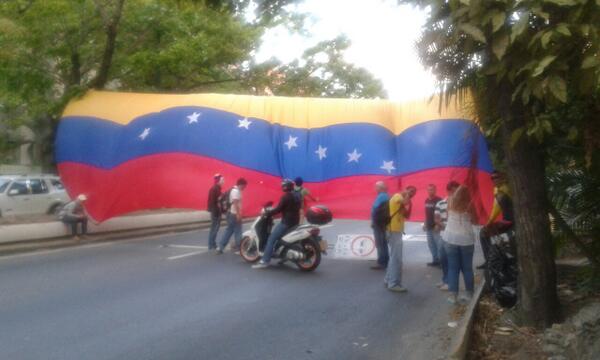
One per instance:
(313,256)
(249,250)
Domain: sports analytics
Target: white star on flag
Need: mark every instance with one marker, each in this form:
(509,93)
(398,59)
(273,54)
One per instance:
(291,142)
(244,123)
(322,152)
(194,117)
(388,166)
(354,156)
(144,133)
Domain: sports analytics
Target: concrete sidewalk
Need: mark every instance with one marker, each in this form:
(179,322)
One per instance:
(56,229)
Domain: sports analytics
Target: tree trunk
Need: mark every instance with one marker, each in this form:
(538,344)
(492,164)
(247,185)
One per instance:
(111,25)
(538,301)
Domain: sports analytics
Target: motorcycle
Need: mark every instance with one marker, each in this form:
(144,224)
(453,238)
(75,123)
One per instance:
(302,245)
(502,271)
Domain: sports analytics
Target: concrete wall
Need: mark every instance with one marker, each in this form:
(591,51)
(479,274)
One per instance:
(39,231)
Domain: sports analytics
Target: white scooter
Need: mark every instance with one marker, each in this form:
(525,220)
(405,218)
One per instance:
(302,245)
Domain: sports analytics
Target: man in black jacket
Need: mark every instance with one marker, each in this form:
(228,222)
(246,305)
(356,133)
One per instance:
(289,207)
(214,208)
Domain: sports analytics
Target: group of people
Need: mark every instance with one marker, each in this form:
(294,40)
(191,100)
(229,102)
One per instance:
(290,206)
(449,228)
(448,225)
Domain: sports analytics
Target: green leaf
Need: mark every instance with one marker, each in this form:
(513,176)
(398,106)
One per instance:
(498,20)
(590,61)
(563,29)
(500,45)
(474,31)
(466,2)
(516,135)
(543,64)
(547,126)
(519,27)
(526,94)
(572,136)
(517,90)
(562,2)
(585,29)
(493,69)
(546,38)
(558,87)
(539,12)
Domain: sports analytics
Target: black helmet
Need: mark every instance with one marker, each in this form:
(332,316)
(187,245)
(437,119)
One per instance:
(287,185)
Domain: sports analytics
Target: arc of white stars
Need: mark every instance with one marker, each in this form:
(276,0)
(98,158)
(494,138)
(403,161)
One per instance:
(322,152)
(388,166)
(144,134)
(354,156)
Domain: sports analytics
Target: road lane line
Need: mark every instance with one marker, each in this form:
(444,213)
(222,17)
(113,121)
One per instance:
(186,255)
(188,246)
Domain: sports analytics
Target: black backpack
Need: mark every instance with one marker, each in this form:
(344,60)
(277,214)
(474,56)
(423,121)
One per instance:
(224,202)
(382,216)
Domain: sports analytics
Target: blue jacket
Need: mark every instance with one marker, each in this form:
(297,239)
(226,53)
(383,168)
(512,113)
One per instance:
(381,197)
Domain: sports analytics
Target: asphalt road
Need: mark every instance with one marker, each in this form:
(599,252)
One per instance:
(167,298)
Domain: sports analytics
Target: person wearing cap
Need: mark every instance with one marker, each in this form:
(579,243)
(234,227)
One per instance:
(73,213)
(215,210)
(502,204)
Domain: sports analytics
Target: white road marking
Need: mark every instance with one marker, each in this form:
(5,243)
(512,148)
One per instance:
(186,255)
(187,246)
(417,238)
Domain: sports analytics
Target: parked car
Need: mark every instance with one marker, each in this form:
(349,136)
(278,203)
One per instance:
(31,194)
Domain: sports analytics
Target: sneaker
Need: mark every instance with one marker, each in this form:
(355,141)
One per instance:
(397,288)
(452,300)
(440,284)
(237,252)
(260,265)
(219,252)
(444,287)
(433,263)
(377,267)
(466,298)
(482,266)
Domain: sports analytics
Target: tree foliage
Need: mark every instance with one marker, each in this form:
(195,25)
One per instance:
(53,50)
(524,63)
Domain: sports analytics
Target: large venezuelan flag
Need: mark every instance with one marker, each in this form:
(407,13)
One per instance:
(131,151)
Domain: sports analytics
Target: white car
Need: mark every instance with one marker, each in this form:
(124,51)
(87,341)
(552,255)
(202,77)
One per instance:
(31,194)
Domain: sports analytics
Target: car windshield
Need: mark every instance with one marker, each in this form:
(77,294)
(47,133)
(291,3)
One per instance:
(3,185)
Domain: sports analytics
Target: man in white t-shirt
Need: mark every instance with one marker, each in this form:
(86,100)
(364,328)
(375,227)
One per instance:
(234,216)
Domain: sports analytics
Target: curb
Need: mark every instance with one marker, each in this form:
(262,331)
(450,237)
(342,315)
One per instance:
(25,246)
(462,338)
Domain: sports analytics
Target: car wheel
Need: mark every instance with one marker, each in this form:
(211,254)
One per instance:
(55,209)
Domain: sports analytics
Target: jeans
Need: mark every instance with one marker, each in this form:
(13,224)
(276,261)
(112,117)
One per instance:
(278,231)
(433,241)
(234,227)
(73,221)
(382,246)
(215,224)
(443,260)
(460,259)
(393,274)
